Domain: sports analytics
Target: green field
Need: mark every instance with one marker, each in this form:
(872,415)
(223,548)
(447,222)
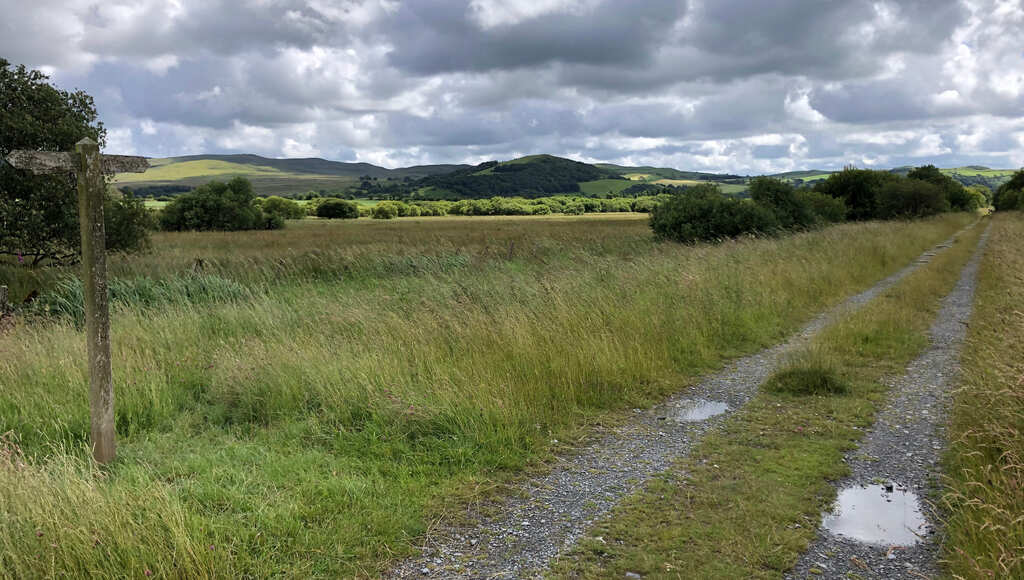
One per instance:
(604,187)
(974,171)
(306,402)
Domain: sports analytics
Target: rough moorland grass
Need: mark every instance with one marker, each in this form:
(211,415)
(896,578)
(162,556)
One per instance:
(312,428)
(984,491)
(748,499)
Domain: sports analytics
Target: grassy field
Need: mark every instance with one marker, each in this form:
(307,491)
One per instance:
(304,402)
(984,497)
(710,516)
(973,171)
(604,187)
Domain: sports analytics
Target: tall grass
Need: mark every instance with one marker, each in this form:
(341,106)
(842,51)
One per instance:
(746,501)
(984,490)
(309,428)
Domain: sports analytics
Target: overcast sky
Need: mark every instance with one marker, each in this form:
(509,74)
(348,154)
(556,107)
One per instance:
(749,87)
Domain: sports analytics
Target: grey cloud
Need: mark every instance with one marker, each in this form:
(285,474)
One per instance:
(440,37)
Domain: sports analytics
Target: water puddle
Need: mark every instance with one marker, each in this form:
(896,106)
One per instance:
(694,410)
(877,514)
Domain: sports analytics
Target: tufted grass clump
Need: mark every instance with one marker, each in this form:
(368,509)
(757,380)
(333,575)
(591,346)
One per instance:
(809,372)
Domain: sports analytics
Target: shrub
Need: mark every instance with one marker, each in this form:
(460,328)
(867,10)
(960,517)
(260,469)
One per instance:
(127,223)
(644,204)
(826,209)
(781,198)
(215,206)
(385,210)
(285,208)
(702,213)
(574,208)
(910,198)
(331,208)
(617,204)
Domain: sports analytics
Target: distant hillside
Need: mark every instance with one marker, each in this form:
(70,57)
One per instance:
(531,176)
(968,175)
(269,176)
(645,172)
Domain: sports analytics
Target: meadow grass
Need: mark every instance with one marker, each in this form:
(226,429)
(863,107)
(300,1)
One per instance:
(747,500)
(611,187)
(371,372)
(984,487)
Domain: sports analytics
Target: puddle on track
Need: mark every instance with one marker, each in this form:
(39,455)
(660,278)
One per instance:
(695,410)
(874,515)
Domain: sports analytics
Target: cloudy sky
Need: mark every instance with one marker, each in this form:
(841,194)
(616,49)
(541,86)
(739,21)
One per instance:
(749,86)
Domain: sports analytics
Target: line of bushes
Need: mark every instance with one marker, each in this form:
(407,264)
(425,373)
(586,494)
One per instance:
(559,204)
(703,213)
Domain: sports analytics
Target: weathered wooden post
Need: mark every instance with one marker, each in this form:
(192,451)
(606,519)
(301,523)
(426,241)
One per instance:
(89,167)
(91,193)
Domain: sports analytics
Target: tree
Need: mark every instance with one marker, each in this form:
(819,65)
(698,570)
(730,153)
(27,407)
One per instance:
(781,198)
(1010,195)
(911,198)
(218,206)
(39,213)
(858,188)
(337,208)
(702,213)
(285,208)
(954,191)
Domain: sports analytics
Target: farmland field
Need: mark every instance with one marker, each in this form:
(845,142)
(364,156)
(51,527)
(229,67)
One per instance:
(305,402)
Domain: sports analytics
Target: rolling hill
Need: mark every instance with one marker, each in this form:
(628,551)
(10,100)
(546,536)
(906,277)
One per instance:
(269,176)
(530,176)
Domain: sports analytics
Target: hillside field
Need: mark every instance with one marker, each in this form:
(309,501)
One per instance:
(306,402)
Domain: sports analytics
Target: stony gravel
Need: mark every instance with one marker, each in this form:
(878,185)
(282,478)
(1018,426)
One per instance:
(902,449)
(550,513)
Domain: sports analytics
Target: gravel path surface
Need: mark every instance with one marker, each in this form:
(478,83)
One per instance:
(552,512)
(897,464)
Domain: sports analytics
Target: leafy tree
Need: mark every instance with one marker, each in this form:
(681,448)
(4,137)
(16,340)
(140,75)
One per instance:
(826,209)
(337,208)
(1010,195)
(910,198)
(217,206)
(781,198)
(285,208)
(954,191)
(858,188)
(702,213)
(39,213)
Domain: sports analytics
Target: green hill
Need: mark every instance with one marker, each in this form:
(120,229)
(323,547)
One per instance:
(531,176)
(269,176)
(648,173)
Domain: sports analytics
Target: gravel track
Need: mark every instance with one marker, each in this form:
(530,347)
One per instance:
(549,514)
(903,448)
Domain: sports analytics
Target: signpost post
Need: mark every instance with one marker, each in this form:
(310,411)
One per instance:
(89,166)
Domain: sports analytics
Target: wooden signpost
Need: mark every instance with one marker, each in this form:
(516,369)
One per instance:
(89,166)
